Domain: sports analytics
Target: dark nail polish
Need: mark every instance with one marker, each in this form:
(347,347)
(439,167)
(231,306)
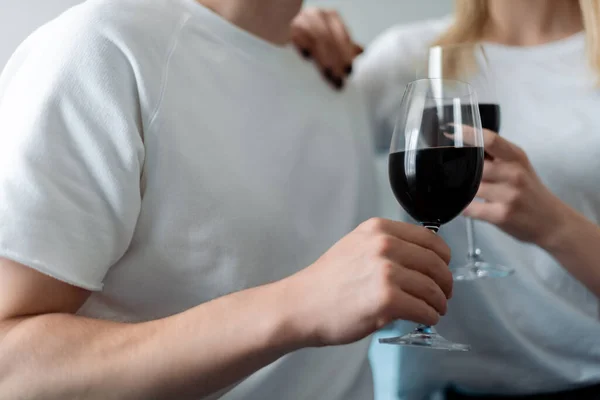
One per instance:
(338,83)
(306,53)
(348,69)
(449,128)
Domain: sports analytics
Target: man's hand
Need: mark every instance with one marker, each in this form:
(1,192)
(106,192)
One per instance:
(381,272)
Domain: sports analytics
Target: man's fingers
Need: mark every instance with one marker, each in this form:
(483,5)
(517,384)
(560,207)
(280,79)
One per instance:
(409,308)
(424,288)
(424,261)
(410,233)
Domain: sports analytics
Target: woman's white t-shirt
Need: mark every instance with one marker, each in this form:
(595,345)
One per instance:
(539,330)
(161,157)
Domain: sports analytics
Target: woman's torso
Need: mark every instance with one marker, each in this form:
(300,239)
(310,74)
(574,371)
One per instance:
(538,330)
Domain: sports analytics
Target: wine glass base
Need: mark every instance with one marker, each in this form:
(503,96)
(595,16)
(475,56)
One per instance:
(481,270)
(426,340)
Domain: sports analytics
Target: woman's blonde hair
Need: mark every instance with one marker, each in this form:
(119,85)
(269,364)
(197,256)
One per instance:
(471,17)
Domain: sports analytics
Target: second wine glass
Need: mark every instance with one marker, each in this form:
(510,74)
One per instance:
(470,63)
(435,166)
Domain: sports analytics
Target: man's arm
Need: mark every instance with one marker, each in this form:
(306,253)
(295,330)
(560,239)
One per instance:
(191,354)
(381,272)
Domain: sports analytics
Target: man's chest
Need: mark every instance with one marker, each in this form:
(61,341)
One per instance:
(234,200)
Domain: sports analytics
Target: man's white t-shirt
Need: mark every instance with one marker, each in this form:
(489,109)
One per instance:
(538,330)
(161,157)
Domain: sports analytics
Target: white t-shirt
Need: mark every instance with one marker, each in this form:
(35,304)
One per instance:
(161,157)
(539,330)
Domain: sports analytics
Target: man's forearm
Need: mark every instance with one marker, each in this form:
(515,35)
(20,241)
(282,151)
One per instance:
(189,355)
(576,246)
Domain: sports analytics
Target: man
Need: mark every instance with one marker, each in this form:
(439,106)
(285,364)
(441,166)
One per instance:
(170,177)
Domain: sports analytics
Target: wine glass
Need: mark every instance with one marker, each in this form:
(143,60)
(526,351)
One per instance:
(435,166)
(469,63)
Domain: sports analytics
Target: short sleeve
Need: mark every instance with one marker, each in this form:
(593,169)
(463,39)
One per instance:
(387,66)
(71,155)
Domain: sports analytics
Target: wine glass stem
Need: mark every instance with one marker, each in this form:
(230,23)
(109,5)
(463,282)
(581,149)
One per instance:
(427,329)
(473,251)
(424,329)
(433,228)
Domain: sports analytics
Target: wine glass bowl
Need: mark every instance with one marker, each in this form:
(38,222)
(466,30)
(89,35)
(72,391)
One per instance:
(435,165)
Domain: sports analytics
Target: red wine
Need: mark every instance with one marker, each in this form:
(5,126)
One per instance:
(436,120)
(490,116)
(490,119)
(434,185)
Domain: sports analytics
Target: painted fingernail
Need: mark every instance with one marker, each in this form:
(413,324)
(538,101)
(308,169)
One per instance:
(338,83)
(306,53)
(348,69)
(449,128)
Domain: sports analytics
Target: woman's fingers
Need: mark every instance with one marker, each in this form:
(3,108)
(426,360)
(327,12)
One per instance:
(343,41)
(303,40)
(322,35)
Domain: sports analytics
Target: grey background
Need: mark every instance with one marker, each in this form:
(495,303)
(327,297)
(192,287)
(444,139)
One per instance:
(367,18)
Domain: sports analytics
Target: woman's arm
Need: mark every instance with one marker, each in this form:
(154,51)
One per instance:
(575,243)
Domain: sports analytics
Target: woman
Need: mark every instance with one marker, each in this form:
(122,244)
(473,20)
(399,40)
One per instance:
(536,333)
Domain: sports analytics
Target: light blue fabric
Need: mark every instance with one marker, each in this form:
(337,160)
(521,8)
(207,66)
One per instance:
(385,363)
(385,359)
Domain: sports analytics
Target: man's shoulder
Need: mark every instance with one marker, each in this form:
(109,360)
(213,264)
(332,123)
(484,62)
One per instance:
(135,28)
(96,45)
(124,16)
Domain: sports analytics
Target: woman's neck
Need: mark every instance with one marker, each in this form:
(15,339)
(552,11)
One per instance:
(267,19)
(532,22)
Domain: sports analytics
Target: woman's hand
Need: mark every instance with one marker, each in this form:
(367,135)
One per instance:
(322,35)
(515,198)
